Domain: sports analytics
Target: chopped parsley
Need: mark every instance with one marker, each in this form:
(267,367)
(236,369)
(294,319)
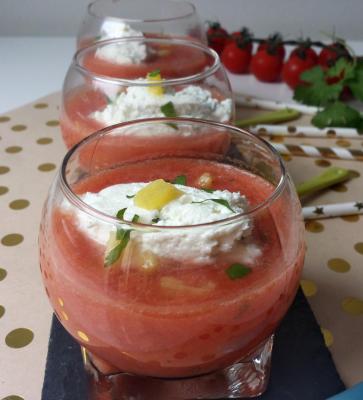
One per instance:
(154,74)
(130,196)
(155,220)
(169,111)
(180,180)
(120,213)
(237,271)
(135,218)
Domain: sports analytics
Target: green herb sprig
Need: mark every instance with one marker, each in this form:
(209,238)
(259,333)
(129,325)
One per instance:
(222,202)
(122,237)
(324,88)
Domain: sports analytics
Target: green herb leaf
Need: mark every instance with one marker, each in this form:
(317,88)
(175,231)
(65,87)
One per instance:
(237,271)
(113,256)
(120,213)
(180,180)
(168,110)
(135,218)
(338,114)
(317,92)
(130,196)
(356,84)
(222,202)
(154,73)
(155,220)
(123,236)
(208,190)
(343,69)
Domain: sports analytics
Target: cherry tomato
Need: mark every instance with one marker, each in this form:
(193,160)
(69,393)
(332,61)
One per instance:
(301,59)
(331,53)
(294,67)
(217,37)
(274,45)
(237,58)
(308,53)
(244,37)
(266,67)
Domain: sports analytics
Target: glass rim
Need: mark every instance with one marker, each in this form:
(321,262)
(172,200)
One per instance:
(210,70)
(75,200)
(147,20)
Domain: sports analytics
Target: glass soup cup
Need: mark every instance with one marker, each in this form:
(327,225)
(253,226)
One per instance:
(174,77)
(107,19)
(177,311)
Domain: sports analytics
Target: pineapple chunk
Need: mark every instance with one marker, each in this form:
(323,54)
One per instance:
(156,195)
(205,181)
(155,77)
(176,285)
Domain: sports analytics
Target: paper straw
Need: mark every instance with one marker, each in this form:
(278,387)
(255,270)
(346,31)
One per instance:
(333,210)
(337,153)
(252,102)
(306,131)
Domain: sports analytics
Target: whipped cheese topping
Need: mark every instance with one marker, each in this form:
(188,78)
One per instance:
(137,102)
(121,53)
(198,244)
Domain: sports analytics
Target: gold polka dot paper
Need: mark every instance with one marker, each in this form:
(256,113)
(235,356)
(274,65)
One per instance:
(31,150)
(333,273)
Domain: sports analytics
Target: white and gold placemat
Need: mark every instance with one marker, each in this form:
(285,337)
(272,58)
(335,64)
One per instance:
(31,150)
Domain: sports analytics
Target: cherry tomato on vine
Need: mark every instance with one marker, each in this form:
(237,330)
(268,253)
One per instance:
(266,67)
(301,59)
(217,37)
(293,68)
(237,58)
(274,45)
(331,53)
(243,36)
(309,54)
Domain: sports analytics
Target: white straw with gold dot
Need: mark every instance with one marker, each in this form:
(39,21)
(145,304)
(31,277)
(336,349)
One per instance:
(306,131)
(248,101)
(333,210)
(337,153)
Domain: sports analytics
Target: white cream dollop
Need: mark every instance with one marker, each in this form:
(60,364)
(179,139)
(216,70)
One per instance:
(137,102)
(128,52)
(200,244)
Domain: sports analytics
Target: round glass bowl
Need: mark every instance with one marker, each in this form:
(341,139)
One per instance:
(193,303)
(126,79)
(107,19)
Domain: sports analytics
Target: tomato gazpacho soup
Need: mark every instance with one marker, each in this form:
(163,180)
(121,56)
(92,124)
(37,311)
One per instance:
(170,267)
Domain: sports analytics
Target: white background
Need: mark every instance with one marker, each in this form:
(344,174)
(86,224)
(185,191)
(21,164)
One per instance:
(291,17)
(33,62)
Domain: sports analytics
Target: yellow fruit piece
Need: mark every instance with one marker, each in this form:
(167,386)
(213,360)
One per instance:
(176,285)
(205,181)
(156,195)
(155,77)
